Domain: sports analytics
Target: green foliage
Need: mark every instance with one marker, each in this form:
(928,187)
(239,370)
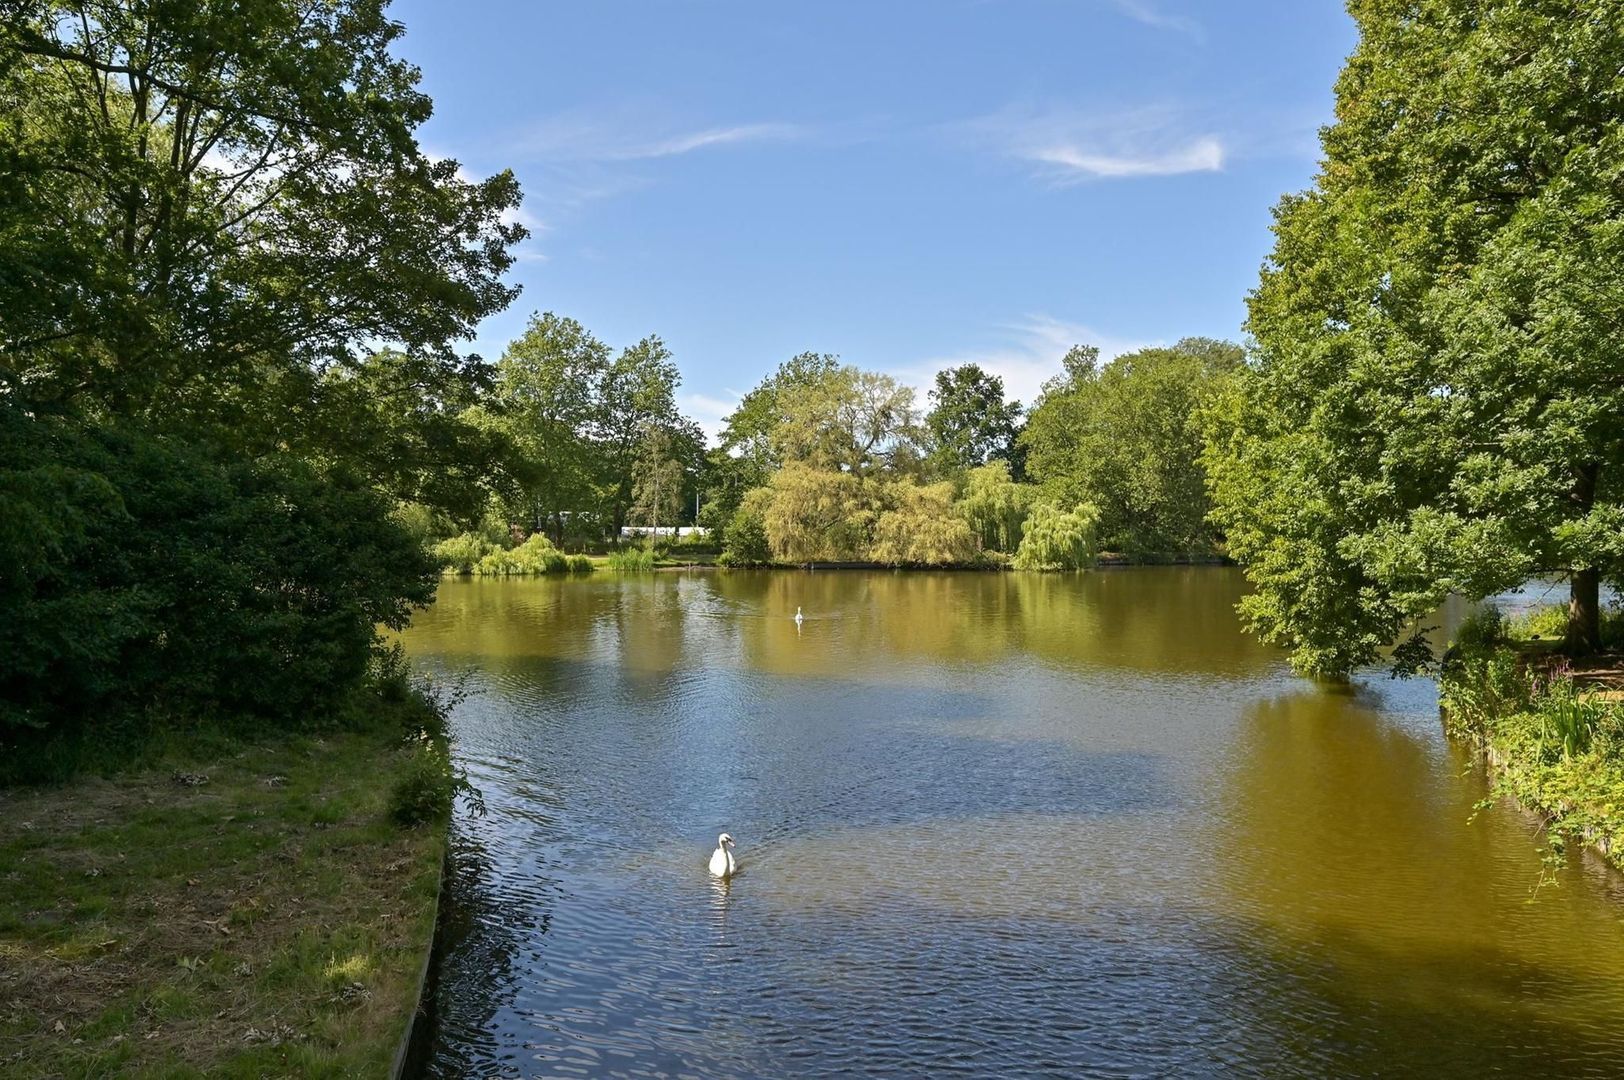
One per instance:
(465,552)
(995,506)
(535,556)
(208,206)
(816,515)
(580,564)
(657,489)
(1126,437)
(1484,627)
(920,528)
(1058,540)
(145,574)
(1568,719)
(596,438)
(638,560)
(1558,748)
(1435,405)
(744,542)
(970,423)
(211,217)
(424,791)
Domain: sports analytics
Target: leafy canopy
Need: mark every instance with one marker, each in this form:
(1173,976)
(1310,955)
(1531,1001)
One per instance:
(1436,405)
(1125,437)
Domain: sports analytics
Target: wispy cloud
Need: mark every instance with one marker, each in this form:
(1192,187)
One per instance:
(1025,354)
(1144,11)
(1205,154)
(1072,145)
(708,411)
(628,133)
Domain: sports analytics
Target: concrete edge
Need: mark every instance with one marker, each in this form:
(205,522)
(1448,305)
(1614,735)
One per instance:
(419,1013)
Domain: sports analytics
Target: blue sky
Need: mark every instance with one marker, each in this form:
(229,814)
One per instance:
(907,183)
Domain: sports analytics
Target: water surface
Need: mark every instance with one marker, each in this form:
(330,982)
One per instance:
(988,825)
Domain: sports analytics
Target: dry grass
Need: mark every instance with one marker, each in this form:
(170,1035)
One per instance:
(270,921)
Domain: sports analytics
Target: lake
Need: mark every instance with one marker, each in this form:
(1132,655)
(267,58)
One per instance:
(987,825)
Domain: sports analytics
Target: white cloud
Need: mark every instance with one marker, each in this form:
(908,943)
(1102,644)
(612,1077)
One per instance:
(1029,355)
(682,144)
(708,411)
(1143,11)
(1072,145)
(1205,154)
(632,134)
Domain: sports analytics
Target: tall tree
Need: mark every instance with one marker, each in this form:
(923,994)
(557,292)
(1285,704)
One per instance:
(970,423)
(851,420)
(1126,438)
(638,394)
(547,388)
(748,454)
(1437,405)
(207,204)
(657,488)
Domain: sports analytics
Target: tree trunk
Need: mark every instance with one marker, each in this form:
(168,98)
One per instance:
(1584,596)
(1584,613)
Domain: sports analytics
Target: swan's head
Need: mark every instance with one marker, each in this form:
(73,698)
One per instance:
(724,841)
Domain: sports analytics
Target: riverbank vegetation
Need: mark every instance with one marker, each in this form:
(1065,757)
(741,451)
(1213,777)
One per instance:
(211,219)
(1552,728)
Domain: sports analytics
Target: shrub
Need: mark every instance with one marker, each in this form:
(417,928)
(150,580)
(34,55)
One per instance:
(744,540)
(922,529)
(464,553)
(1484,627)
(580,564)
(535,556)
(144,575)
(632,559)
(424,792)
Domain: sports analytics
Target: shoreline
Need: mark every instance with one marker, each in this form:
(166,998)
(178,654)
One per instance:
(1575,792)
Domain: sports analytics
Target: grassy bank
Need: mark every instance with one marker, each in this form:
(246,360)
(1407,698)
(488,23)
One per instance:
(253,911)
(1552,731)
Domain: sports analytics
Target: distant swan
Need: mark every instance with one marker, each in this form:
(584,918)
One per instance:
(722,864)
(797,616)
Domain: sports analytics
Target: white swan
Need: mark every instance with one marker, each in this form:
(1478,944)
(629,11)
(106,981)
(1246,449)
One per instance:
(797,616)
(722,864)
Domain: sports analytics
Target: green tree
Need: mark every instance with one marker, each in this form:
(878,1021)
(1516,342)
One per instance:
(416,428)
(207,205)
(1058,540)
(970,423)
(851,420)
(1436,405)
(748,455)
(547,391)
(995,506)
(637,394)
(919,527)
(744,540)
(657,488)
(212,217)
(1126,437)
(816,515)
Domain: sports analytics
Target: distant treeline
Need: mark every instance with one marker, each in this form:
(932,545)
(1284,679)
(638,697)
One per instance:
(826,462)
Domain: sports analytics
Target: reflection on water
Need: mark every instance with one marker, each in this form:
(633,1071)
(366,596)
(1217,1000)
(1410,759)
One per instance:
(988,825)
